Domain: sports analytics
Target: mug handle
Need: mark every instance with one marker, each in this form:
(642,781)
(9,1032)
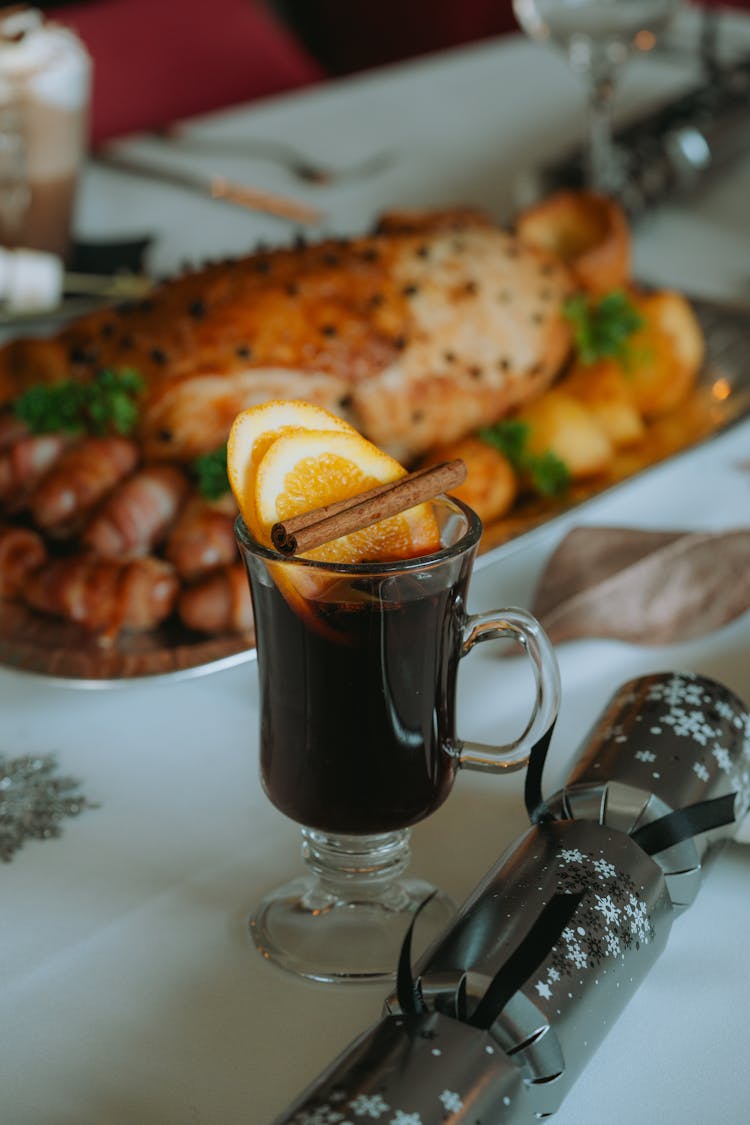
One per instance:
(527,632)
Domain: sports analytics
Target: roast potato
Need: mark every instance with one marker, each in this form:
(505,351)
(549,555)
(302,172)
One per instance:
(665,355)
(588,231)
(491,484)
(560,424)
(605,390)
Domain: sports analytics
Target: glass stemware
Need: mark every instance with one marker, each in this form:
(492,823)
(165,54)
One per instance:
(598,36)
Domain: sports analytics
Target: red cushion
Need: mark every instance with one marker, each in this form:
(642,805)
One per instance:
(156,61)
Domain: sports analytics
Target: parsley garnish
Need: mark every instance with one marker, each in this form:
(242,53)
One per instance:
(548,474)
(602,329)
(210,472)
(106,404)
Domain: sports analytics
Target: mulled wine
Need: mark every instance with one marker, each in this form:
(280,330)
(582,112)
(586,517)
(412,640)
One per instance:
(357,700)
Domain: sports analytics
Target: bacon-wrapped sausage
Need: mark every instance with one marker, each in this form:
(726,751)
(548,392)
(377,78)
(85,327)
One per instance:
(22,552)
(219,603)
(25,462)
(11,429)
(201,540)
(80,478)
(103,595)
(135,517)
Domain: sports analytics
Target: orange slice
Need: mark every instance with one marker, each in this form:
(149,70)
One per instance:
(307,469)
(254,430)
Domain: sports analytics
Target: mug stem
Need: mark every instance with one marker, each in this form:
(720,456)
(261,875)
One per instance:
(347,919)
(367,867)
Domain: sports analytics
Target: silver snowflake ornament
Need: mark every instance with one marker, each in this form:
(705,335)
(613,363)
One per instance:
(34,801)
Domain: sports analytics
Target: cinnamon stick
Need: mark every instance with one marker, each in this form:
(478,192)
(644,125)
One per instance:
(312,529)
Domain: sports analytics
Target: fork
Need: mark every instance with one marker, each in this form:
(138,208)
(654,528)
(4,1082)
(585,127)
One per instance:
(300,166)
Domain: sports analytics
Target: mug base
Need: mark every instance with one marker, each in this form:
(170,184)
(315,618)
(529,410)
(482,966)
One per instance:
(315,933)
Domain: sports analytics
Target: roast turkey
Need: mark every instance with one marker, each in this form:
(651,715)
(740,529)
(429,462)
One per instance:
(416,334)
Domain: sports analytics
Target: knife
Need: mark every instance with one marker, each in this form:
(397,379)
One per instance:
(214,186)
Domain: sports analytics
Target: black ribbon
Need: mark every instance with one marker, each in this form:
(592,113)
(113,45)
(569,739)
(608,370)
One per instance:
(526,958)
(510,977)
(408,991)
(683,824)
(536,806)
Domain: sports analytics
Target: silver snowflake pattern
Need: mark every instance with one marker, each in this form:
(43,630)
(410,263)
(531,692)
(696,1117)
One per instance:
(700,770)
(34,801)
(612,943)
(645,756)
(610,918)
(604,869)
(676,690)
(369,1105)
(574,951)
(323,1115)
(726,711)
(451,1101)
(543,989)
(402,1118)
(690,724)
(741,786)
(723,758)
(637,915)
(577,956)
(607,908)
(597,949)
(571,855)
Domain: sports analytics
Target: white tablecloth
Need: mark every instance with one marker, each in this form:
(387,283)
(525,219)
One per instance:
(130,993)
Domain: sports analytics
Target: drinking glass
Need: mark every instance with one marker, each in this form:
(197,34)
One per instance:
(45,77)
(598,36)
(357,668)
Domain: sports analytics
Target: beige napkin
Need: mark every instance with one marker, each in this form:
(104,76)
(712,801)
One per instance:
(645,587)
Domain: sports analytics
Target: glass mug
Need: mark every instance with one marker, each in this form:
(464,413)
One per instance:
(357,669)
(45,81)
